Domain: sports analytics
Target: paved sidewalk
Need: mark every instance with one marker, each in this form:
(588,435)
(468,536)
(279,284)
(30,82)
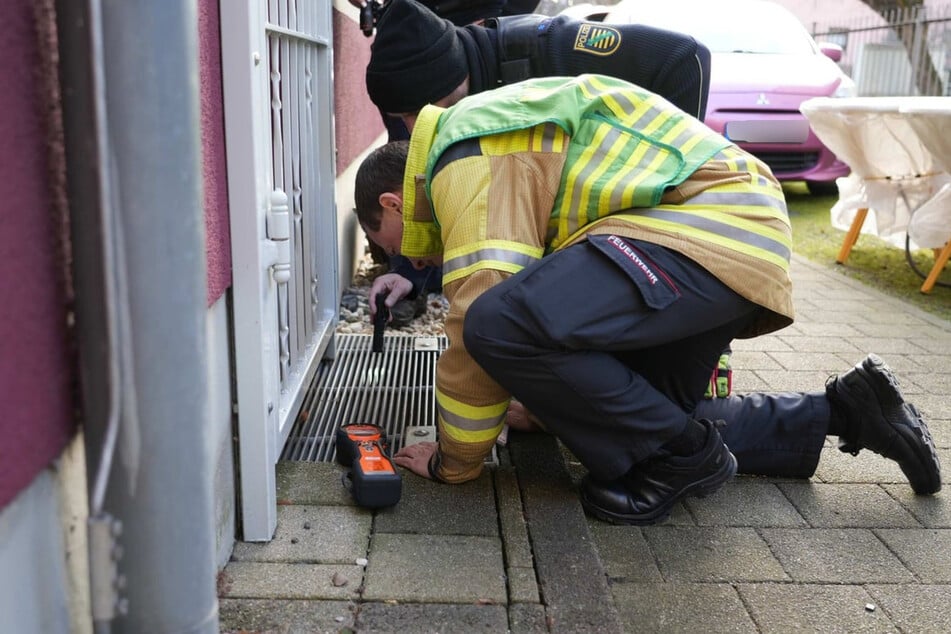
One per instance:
(850,550)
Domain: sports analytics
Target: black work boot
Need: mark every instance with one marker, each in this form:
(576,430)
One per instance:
(648,492)
(873,414)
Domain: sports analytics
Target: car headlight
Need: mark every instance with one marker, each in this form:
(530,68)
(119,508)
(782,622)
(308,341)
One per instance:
(846,88)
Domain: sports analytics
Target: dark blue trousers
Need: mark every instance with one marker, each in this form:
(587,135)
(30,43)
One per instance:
(611,343)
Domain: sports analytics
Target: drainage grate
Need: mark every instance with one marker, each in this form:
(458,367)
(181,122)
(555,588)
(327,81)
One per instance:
(393,389)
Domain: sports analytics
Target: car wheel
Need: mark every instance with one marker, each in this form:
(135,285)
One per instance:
(822,188)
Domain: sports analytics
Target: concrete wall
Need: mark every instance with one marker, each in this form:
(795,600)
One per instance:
(220,420)
(44,579)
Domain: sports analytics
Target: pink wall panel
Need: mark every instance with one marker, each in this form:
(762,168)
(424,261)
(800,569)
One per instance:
(218,237)
(36,410)
(357,119)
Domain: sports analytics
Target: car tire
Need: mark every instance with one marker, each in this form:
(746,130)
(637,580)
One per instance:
(822,188)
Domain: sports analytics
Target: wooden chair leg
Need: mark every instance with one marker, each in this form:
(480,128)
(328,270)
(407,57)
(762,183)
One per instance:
(939,263)
(852,236)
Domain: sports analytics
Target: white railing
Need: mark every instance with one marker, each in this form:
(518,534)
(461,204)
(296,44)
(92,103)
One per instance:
(299,58)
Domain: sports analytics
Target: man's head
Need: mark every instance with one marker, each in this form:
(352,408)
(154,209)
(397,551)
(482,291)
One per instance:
(416,59)
(379,195)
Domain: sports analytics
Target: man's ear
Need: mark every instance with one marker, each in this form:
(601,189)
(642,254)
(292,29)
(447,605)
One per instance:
(392,201)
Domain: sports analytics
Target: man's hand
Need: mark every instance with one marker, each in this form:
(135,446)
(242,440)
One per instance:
(416,457)
(518,417)
(393,285)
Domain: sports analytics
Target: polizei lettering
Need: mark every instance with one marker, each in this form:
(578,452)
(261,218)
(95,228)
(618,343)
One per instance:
(628,251)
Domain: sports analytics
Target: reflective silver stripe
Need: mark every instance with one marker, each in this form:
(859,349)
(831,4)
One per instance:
(628,107)
(688,133)
(621,200)
(762,180)
(601,154)
(734,199)
(717,228)
(744,162)
(626,103)
(744,165)
(491,253)
(548,137)
(624,100)
(468,424)
(620,195)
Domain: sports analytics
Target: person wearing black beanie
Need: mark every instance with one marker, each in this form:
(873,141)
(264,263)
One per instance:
(415,57)
(414,60)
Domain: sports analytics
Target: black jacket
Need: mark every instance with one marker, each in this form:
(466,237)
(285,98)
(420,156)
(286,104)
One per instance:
(509,49)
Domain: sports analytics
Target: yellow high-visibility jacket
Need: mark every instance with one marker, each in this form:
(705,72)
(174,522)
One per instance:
(504,177)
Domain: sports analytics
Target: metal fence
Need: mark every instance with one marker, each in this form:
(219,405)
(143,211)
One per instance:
(906,51)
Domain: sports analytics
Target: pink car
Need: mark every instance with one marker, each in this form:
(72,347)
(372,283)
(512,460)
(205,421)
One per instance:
(764,64)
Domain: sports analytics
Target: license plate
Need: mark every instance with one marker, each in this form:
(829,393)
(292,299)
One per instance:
(767,131)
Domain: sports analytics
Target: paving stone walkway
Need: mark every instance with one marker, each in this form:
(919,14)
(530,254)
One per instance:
(850,550)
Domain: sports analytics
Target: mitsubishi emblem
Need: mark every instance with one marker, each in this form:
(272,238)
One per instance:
(762,100)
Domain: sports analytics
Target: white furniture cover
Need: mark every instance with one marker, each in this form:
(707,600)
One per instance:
(899,149)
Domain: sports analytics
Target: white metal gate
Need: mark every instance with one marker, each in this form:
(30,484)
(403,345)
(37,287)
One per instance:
(277,68)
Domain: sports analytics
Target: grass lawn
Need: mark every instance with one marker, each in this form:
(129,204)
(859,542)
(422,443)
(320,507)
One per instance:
(871,261)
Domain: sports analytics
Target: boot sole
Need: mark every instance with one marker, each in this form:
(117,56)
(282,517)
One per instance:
(918,438)
(698,489)
(916,435)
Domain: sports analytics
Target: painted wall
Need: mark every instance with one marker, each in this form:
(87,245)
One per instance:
(358,128)
(36,405)
(218,237)
(357,119)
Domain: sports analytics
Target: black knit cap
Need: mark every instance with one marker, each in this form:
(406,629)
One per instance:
(415,59)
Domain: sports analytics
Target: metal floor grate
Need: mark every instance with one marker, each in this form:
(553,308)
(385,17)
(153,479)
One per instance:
(393,389)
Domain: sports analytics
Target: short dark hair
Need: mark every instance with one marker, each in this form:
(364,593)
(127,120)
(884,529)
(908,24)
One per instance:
(381,171)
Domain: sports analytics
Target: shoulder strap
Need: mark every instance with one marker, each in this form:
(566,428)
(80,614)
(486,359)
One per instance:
(519,44)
